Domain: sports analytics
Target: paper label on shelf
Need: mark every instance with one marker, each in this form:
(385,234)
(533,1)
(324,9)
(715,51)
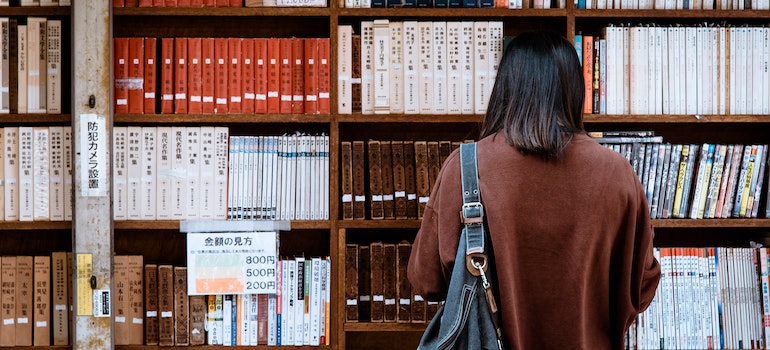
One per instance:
(101,303)
(93,156)
(84,268)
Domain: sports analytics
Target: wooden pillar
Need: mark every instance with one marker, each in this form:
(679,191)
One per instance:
(91,125)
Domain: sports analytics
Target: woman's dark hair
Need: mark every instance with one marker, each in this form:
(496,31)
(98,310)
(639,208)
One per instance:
(537,99)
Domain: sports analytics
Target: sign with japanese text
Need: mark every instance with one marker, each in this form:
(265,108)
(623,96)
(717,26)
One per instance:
(93,156)
(231,263)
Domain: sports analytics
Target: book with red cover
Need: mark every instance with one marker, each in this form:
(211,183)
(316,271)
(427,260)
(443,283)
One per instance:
(298,76)
(234,75)
(196,3)
(167,75)
(285,86)
(207,73)
(145,3)
(182,3)
(273,75)
(121,75)
(236,3)
(170,3)
(131,3)
(194,75)
(222,3)
(135,75)
(180,76)
(311,76)
(247,75)
(260,75)
(158,3)
(150,74)
(324,76)
(221,95)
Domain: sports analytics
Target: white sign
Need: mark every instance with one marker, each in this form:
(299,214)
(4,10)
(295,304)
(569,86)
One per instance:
(93,156)
(232,263)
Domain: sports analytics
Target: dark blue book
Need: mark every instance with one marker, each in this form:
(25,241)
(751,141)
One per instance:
(441,3)
(378,3)
(424,3)
(395,3)
(455,3)
(410,3)
(486,3)
(470,3)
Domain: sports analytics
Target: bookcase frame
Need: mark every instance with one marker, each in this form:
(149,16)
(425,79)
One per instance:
(160,22)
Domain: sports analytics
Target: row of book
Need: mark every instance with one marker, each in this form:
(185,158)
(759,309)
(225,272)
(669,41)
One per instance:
(43,3)
(279,177)
(36,300)
(651,69)
(377,288)
(222,75)
(510,4)
(699,181)
(708,298)
(152,307)
(36,173)
(218,3)
(674,4)
(389,179)
(31,65)
(418,67)
(170,173)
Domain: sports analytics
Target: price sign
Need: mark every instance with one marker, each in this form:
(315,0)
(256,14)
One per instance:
(231,263)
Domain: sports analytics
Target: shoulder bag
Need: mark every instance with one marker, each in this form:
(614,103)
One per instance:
(469,318)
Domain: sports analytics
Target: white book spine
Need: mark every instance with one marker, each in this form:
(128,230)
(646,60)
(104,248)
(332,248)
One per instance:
(222,135)
(26,158)
(2,175)
(344,73)
(164,177)
(69,204)
(193,189)
(299,302)
(56,171)
(425,68)
(119,175)
(367,67)
(179,172)
(5,76)
(381,66)
(316,299)
(41,182)
(481,66)
(149,179)
(439,67)
(227,314)
(207,171)
(396,67)
(291,295)
(33,64)
(411,74)
(253,319)
(134,172)
(272,318)
(53,66)
(454,67)
(495,54)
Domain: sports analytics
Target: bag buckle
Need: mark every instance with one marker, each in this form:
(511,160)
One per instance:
(476,263)
(472,213)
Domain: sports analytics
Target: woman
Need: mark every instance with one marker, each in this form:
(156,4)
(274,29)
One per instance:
(568,218)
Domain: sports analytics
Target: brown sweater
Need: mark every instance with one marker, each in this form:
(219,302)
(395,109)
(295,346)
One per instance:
(572,240)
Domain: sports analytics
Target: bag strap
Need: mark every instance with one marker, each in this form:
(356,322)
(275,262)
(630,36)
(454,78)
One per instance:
(472,217)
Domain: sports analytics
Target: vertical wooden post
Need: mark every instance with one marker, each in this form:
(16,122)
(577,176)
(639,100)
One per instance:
(92,239)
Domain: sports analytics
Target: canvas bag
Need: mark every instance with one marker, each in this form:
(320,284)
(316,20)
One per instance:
(468,319)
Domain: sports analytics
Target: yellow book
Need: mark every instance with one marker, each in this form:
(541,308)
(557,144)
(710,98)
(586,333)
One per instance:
(747,182)
(680,181)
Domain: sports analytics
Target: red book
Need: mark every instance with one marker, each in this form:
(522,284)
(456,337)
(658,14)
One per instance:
(298,76)
(260,75)
(182,3)
(324,76)
(180,76)
(118,3)
(170,3)
(194,77)
(121,75)
(236,3)
(131,3)
(222,3)
(145,3)
(136,75)
(220,76)
(196,3)
(273,75)
(311,76)
(158,3)
(247,75)
(167,75)
(207,73)
(234,75)
(209,3)
(285,88)
(150,74)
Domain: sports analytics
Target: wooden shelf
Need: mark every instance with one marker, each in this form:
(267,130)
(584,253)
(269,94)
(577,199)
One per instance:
(220,118)
(712,223)
(223,11)
(35,119)
(676,118)
(384,327)
(35,225)
(449,12)
(174,225)
(716,15)
(379,224)
(36,11)
(409,118)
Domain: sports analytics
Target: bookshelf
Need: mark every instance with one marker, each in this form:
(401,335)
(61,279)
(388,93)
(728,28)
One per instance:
(329,237)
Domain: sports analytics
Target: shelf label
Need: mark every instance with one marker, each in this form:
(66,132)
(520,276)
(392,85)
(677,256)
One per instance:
(232,263)
(93,156)
(84,271)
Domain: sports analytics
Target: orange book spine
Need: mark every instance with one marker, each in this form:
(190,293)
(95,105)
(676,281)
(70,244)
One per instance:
(298,76)
(234,75)
(588,72)
(207,73)
(236,3)
(118,3)
(273,75)
(145,3)
(196,3)
(182,3)
(170,3)
(209,3)
(131,3)
(150,74)
(121,75)
(220,75)
(158,3)
(180,75)
(260,75)
(247,75)
(194,77)
(136,75)
(324,76)
(222,3)
(311,76)
(285,88)
(167,75)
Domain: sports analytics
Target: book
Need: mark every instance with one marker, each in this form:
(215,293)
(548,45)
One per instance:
(389,282)
(26,173)
(41,293)
(375,180)
(121,298)
(21,72)
(60,323)
(297,60)
(167,75)
(386,171)
(197,320)
(8,298)
(166,328)
(150,75)
(56,173)
(220,60)
(273,75)
(41,179)
(346,176)
(208,78)
(410,180)
(364,283)
(25,269)
(376,270)
(359,198)
(285,75)
(425,66)
(324,75)
(403,286)
(351,282)
(53,61)
(248,73)
(311,70)
(381,47)
(192,181)
(367,67)
(234,75)
(151,330)
(194,77)
(181,307)
(422,178)
(135,301)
